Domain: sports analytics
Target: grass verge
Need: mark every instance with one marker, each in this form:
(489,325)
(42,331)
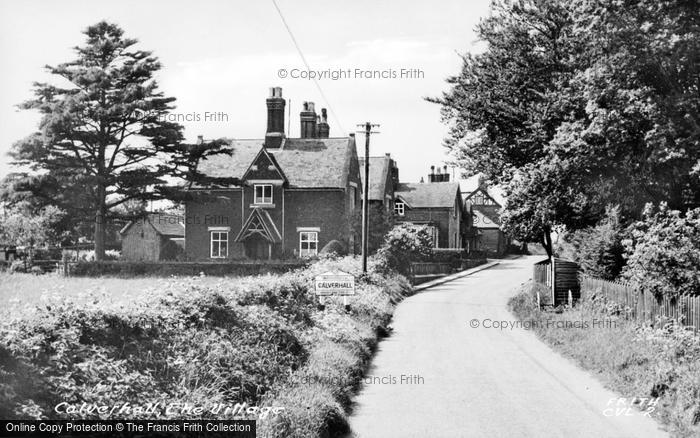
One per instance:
(634,361)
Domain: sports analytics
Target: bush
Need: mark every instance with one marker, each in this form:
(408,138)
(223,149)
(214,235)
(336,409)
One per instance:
(135,269)
(664,252)
(598,250)
(257,340)
(334,247)
(404,244)
(19,266)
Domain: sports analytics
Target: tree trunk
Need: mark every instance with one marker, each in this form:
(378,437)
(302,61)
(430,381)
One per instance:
(547,242)
(100,224)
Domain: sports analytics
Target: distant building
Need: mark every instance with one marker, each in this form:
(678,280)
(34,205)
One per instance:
(296,194)
(485,205)
(383,180)
(156,237)
(436,204)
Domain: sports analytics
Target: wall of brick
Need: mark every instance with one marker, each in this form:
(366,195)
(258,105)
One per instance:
(225,211)
(492,240)
(323,209)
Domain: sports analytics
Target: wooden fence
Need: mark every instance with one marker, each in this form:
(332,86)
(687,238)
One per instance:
(643,307)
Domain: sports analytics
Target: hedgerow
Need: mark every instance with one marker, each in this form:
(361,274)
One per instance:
(260,340)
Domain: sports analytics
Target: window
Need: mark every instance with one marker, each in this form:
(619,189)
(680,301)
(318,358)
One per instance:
(263,194)
(481,199)
(399,208)
(308,243)
(219,244)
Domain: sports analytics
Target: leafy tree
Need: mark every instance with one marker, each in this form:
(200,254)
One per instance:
(664,252)
(577,105)
(17,227)
(103,136)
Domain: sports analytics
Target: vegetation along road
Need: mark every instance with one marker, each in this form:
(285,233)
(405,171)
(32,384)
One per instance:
(440,375)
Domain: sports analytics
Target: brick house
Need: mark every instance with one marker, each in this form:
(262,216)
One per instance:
(156,237)
(296,194)
(485,206)
(383,180)
(436,204)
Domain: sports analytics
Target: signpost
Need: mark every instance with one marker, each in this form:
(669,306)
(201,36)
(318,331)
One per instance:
(335,283)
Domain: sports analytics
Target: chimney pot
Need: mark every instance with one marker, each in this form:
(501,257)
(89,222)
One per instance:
(275,119)
(322,125)
(307,119)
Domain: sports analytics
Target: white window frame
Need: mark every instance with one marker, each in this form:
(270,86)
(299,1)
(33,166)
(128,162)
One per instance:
(308,237)
(263,200)
(218,241)
(400,208)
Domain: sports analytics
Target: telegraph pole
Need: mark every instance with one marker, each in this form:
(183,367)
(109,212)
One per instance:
(365,197)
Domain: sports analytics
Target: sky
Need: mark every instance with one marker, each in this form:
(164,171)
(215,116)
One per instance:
(221,57)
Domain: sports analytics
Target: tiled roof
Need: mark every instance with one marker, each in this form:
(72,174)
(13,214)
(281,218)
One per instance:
(313,162)
(167,224)
(469,185)
(428,195)
(378,174)
(164,224)
(484,220)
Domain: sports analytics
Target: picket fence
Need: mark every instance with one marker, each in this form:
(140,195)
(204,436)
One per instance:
(644,307)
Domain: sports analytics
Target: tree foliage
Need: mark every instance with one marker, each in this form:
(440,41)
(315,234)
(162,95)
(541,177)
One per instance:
(406,243)
(17,227)
(599,249)
(104,137)
(664,252)
(577,105)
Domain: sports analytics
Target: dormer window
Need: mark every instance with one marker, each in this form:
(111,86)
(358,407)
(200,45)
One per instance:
(399,208)
(263,194)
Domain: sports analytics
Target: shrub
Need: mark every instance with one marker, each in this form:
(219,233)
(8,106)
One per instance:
(260,340)
(334,247)
(664,252)
(597,249)
(19,266)
(404,244)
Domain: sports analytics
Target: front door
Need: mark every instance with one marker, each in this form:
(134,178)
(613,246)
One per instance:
(256,247)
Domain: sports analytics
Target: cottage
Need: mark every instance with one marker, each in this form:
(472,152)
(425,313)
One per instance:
(436,204)
(155,237)
(485,205)
(296,194)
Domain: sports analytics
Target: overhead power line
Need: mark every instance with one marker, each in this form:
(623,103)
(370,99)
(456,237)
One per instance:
(306,64)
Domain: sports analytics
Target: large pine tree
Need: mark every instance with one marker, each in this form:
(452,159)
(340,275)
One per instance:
(104,129)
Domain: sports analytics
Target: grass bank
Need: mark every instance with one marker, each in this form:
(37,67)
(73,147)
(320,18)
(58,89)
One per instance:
(635,362)
(256,340)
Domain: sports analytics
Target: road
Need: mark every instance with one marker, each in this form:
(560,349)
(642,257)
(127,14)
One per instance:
(481,382)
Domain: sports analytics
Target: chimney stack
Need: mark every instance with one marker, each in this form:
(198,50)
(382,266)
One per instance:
(394,172)
(275,119)
(438,176)
(200,139)
(308,121)
(323,127)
